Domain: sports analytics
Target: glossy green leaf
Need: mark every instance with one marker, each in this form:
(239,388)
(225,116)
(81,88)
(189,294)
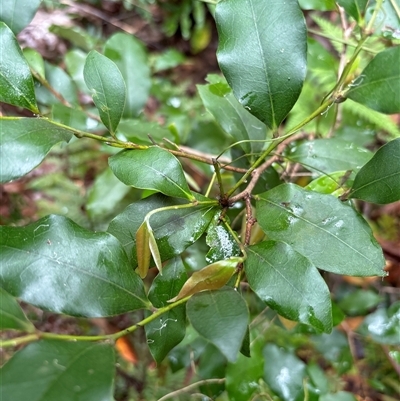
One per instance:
(59,371)
(232,117)
(153,168)
(378,85)
(221,317)
(25,142)
(17,14)
(262,53)
(35,60)
(359,302)
(129,55)
(165,333)
(329,155)
(383,325)
(211,277)
(104,195)
(16,82)
(327,184)
(284,372)
(52,262)
(107,88)
(221,242)
(379,180)
(61,82)
(174,230)
(289,283)
(11,314)
(330,233)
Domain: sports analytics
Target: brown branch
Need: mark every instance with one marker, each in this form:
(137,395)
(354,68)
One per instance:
(201,157)
(250,220)
(258,171)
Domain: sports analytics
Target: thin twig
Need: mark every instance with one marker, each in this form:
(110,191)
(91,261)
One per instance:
(259,170)
(204,159)
(191,387)
(250,220)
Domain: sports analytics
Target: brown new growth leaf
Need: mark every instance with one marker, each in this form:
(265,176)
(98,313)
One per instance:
(211,277)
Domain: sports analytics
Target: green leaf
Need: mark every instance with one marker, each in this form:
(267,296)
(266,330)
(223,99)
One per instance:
(211,277)
(61,82)
(16,82)
(320,5)
(330,233)
(52,262)
(75,63)
(358,302)
(387,21)
(232,117)
(221,317)
(11,314)
(79,37)
(334,347)
(243,376)
(104,195)
(221,242)
(327,184)
(169,58)
(153,168)
(165,333)
(289,283)
(378,85)
(174,230)
(262,53)
(339,396)
(354,8)
(35,60)
(329,155)
(129,54)
(77,119)
(59,371)
(211,365)
(379,180)
(284,372)
(138,131)
(25,142)
(17,14)
(383,325)
(107,88)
